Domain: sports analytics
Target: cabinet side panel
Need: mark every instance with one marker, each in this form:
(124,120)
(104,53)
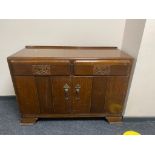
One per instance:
(27,94)
(44,94)
(98,94)
(115,94)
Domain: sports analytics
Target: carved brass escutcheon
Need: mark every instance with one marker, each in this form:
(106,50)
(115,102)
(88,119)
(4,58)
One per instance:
(66,89)
(77,88)
(41,69)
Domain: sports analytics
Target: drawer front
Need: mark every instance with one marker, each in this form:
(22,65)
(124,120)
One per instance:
(102,67)
(27,67)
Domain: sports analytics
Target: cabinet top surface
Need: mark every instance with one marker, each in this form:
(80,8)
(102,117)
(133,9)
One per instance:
(69,52)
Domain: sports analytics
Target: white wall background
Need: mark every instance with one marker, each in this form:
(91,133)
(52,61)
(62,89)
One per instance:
(141,99)
(133,33)
(15,34)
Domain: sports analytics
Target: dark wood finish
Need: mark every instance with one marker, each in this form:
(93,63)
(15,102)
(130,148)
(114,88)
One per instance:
(33,67)
(28,120)
(82,98)
(61,99)
(69,115)
(102,67)
(44,94)
(114,119)
(69,47)
(27,94)
(63,81)
(56,53)
(115,94)
(98,94)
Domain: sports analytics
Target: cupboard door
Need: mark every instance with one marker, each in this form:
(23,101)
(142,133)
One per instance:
(82,87)
(61,94)
(98,94)
(27,94)
(44,94)
(115,94)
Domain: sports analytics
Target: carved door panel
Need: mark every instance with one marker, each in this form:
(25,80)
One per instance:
(108,94)
(82,87)
(43,84)
(61,94)
(98,94)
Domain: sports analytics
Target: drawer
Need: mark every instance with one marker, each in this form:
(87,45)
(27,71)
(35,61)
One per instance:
(41,67)
(102,67)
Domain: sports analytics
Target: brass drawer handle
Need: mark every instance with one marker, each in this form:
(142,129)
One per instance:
(66,89)
(77,89)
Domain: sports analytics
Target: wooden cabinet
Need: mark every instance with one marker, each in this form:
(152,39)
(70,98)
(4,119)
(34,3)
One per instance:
(52,82)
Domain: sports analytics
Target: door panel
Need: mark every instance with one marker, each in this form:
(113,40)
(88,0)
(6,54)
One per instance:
(98,94)
(44,94)
(115,94)
(82,87)
(27,94)
(61,94)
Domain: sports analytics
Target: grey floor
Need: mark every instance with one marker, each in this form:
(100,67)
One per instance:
(9,124)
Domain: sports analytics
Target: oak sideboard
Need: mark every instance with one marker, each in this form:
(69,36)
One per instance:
(70,82)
